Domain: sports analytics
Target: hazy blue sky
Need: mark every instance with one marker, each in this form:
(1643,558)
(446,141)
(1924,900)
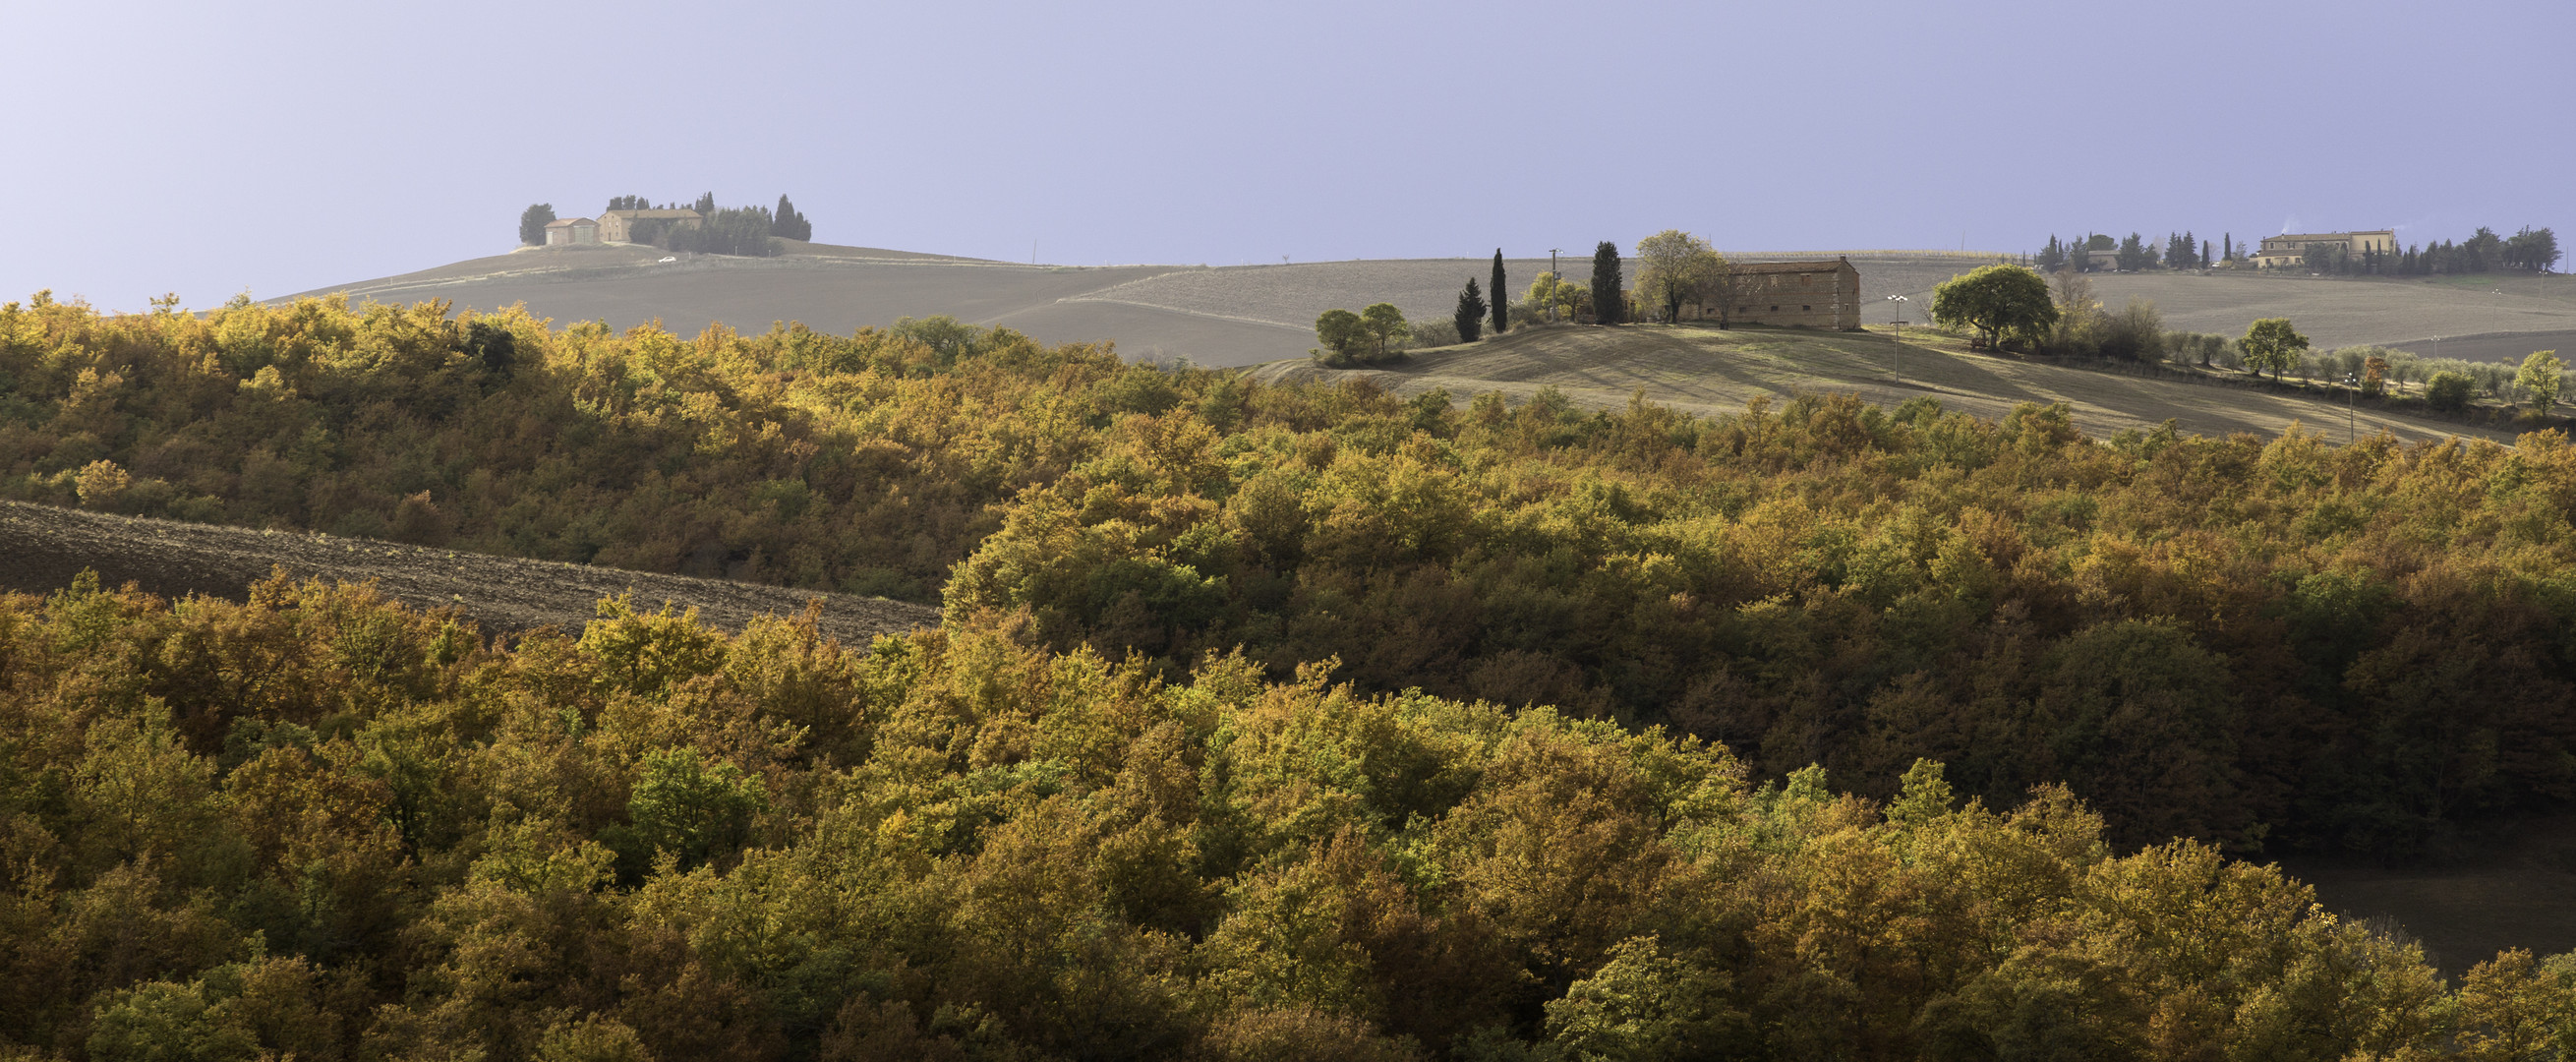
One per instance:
(209,148)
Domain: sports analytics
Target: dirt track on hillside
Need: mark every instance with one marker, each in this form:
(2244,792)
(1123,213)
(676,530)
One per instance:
(43,547)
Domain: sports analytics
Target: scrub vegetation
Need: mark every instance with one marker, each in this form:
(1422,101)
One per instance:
(1264,721)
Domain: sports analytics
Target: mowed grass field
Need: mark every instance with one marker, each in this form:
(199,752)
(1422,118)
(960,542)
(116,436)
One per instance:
(1704,369)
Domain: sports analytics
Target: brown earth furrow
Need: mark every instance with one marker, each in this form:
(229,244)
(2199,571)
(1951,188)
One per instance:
(43,547)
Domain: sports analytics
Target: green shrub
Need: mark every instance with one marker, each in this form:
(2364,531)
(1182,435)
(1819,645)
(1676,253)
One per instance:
(2449,391)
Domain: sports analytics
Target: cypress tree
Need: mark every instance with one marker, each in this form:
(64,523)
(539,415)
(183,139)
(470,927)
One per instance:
(1502,301)
(1609,306)
(1471,313)
(788,223)
(533,222)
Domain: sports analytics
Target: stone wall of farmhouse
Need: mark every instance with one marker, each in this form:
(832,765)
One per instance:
(1825,296)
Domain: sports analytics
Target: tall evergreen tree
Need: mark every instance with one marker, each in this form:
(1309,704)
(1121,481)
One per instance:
(1502,300)
(1471,313)
(1609,306)
(533,222)
(2205,260)
(706,205)
(788,223)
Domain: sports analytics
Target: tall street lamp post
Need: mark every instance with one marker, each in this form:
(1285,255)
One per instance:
(1900,302)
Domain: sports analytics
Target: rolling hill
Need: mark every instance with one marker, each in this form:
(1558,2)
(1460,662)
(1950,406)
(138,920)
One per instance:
(1246,315)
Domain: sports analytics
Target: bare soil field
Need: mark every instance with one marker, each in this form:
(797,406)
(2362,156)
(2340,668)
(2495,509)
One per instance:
(834,289)
(43,547)
(2350,312)
(1706,370)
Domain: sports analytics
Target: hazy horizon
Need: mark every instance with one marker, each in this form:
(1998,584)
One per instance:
(295,146)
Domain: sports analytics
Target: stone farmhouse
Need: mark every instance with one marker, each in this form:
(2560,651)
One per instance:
(563,231)
(2290,250)
(1791,294)
(618,226)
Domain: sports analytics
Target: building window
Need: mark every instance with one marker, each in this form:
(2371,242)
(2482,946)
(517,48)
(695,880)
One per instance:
(1809,309)
(1775,309)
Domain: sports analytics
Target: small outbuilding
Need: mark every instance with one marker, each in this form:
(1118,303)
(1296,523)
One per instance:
(566,231)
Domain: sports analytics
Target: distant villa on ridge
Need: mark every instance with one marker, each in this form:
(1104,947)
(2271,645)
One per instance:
(618,226)
(2291,249)
(615,226)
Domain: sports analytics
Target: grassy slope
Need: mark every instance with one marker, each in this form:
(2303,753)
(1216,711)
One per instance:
(1704,369)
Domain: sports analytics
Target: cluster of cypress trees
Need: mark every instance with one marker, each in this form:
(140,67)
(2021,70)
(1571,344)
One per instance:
(1474,311)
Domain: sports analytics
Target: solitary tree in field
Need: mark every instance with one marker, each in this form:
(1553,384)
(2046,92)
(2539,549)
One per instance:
(2539,378)
(1608,303)
(1470,316)
(2272,344)
(1674,267)
(533,222)
(1384,325)
(2001,302)
(1502,300)
(1340,332)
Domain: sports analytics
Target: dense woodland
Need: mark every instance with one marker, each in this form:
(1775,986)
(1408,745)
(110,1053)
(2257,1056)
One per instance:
(318,825)
(1236,743)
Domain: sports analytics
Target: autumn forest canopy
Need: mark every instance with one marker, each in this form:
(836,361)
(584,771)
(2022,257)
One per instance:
(1265,722)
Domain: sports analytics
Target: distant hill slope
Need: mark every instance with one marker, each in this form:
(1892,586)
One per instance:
(1246,315)
(1702,369)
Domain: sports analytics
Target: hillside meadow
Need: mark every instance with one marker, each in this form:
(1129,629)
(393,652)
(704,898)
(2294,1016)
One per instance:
(1265,720)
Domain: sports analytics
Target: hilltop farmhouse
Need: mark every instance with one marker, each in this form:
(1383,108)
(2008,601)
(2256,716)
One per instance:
(2291,249)
(565,231)
(618,226)
(1793,294)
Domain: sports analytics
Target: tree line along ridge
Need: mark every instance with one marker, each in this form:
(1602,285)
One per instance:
(701,227)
